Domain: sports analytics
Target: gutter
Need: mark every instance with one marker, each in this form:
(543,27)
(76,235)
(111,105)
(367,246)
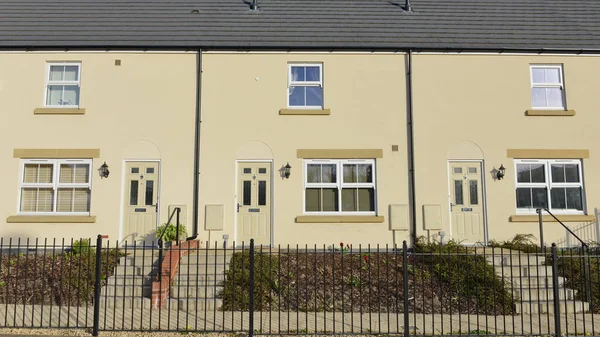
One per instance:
(197,124)
(411,151)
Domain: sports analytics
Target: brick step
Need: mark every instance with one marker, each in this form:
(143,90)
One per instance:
(125,302)
(126,290)
(536,307)
(191,304)
(129,280)
(179,291)
(541,294)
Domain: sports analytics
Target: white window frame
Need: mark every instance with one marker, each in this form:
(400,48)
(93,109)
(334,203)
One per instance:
(304,84)
(549,184)
(339,184)
(71,83)
(55,185)
(560,85)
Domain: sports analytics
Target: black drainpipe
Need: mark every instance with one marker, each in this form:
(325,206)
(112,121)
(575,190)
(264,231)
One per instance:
(411,152)
(197,124)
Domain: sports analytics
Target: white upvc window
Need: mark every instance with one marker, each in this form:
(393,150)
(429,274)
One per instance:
(62,85)
(339,187)
(554,184)
(547,87)
(55,186)
(305,86)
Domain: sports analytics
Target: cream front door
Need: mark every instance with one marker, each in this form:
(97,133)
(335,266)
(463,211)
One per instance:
(466,202)
(141,199)
(254,203)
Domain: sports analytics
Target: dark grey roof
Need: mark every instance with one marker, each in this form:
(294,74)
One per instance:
(302,24)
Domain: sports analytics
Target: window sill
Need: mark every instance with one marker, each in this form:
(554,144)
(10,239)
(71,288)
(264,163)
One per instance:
(50,219)
(541,112)
(59,111)
(548,218)
(305,112)
(339,219)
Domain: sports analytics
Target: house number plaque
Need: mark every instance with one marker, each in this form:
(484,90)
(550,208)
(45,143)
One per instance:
(466,209)
(254,210)
(140,210)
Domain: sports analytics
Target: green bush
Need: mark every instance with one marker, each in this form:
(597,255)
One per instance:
(571,266)
(523,242)
(81,247)
(170,231)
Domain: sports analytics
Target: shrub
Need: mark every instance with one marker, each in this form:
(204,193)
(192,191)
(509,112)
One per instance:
(170,232)
(523,242)
(81,247)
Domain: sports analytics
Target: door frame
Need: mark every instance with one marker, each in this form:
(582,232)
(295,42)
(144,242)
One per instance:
(235,198)
(122,206)
(483,196)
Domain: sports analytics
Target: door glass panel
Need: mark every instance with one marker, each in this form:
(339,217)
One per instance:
(458,192)
(247,170)
(458,170)
(133,193)
(262,193)
(135,170)
(149,192)
(247,192)
(474,198)
(472,170)
(149,170)
(262,170)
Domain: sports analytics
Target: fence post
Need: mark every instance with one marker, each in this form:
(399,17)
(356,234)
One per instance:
(555,292)
(405,287)
(251,294)
(96,326)
(541,223)
(597,222)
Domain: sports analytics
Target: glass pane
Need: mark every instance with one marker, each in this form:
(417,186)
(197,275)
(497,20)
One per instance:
(312,199)
(56,73)
(559,198)
(298,74)
(539,197)
(329,172)
(458,170)
(572,173)
(562,173)
(530,173)
(133,193)
(350,173)
(472,170)
(297,96)
(149,170)
(524,198)
(135,170)
(574,198)
(553,75)
(74,173)
(473,196)
(81,199)
(149,192)
(247,193)
(531,198)
(262,193)
(330,200)
(538,75)
(313,74)
(64,199)
(262,170)
(70,95)
(54,95)
(247,170)
(538,97)
(365,173)
(349,200)
(366,200)
(558,173)
(71,73)
(313,174)
(458,192)
(314,96)
(554,97)
(37,200)
(38,173)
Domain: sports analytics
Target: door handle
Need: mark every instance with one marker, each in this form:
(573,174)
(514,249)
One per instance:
(156,209)
(238,207)
(451,205)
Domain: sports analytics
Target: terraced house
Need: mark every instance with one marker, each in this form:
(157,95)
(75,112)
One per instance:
(299,122)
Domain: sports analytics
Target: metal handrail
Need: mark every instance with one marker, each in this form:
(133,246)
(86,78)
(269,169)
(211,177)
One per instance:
(539,211)
(177,210)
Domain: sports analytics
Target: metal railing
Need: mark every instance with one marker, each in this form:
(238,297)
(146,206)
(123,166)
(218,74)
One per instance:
(310,290)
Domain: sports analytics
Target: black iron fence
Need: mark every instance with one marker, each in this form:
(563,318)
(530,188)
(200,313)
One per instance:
(338,289)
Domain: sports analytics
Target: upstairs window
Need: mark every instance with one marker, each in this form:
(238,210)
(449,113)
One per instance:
(553,184)
(62,85)
(305,86)
(547,87)
(55,186)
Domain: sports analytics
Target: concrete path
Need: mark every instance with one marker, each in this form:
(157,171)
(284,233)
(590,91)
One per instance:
(292,322)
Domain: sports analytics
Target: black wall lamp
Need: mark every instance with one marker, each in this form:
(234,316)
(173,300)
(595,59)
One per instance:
(103,170)
(286,170)
(500,173)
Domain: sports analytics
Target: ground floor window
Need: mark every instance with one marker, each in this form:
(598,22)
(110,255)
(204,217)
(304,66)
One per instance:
(339,186)
(553,184)
(53,186)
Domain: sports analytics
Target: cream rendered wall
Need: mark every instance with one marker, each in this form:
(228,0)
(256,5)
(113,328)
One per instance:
(143,109)
(482,99)
(241,98)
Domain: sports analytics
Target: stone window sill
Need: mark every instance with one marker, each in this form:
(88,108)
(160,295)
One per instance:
(548,218)
(533,112)
(59,111)
(339,219)
(305,112)
(50,219)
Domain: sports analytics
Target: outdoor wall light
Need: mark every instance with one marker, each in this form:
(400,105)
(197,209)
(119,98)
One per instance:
(500,173)
(103,170)
(286,171)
